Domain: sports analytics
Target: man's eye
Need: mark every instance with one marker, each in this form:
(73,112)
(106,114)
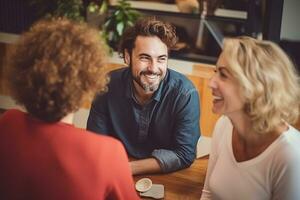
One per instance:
(162,60)
(144,58)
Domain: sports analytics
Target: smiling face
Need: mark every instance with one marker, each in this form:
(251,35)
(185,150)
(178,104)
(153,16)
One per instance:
(226,90)
(148,62)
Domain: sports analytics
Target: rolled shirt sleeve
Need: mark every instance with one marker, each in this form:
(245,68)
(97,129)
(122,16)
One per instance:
(168,160)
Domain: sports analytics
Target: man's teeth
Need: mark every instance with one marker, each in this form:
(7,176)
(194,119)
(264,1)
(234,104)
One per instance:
(151,76)
(217,98)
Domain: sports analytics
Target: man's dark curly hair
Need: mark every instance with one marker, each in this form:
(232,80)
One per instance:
(148,27)
(57,66)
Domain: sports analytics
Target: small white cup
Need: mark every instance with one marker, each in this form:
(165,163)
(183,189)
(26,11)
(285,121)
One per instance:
(143,184)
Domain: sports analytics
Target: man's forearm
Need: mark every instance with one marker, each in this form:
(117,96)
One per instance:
(145,166)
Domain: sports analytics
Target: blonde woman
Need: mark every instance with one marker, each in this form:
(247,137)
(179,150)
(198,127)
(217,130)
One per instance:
(255,151)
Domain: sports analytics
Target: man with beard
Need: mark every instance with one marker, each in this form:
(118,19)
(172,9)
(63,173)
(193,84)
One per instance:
(153,110)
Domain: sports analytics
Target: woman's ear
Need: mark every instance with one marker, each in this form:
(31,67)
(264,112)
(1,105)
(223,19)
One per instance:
(127,57)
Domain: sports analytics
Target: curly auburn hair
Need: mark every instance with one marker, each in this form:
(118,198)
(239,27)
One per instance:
(56,66)
(268,79)
(148,27)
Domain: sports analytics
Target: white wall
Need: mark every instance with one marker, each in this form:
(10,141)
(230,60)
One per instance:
(290,25)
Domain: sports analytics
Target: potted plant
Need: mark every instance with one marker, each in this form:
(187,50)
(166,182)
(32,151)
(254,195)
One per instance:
(122,16)
(112,24)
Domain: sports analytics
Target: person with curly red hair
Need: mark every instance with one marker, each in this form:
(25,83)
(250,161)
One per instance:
(56,67)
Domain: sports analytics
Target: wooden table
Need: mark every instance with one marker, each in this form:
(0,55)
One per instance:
(183,184)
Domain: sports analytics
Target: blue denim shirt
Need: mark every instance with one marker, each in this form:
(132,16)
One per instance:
(167,128)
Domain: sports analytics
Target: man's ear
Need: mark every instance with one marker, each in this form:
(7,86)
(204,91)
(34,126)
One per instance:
(126,57)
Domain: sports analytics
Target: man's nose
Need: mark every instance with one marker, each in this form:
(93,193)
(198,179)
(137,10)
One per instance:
(152,66)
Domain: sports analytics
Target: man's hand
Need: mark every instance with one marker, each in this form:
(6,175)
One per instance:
(145,166)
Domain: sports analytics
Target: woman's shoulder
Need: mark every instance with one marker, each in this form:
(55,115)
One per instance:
(292,137)
(292,141)
(12,113)
(12,117)
(287,147)
(222,132)
(222,125)
(293,132)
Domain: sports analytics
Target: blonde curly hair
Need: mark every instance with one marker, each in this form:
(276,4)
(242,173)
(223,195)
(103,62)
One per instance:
(268,79)
(56,66)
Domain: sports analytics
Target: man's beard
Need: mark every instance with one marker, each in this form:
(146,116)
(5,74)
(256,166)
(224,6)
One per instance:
(148,87)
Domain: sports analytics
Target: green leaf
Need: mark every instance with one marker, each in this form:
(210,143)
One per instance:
(103,8)
(130,23)
(107,23)
(120,16)
(116,12)
(120,28)
(91,9)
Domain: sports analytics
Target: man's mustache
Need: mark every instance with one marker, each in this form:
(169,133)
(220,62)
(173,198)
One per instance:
(148,72)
